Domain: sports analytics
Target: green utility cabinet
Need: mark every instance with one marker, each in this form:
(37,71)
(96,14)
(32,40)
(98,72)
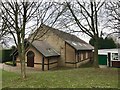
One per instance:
(102,59)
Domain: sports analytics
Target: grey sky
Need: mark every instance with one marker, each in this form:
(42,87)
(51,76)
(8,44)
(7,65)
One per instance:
(80,35)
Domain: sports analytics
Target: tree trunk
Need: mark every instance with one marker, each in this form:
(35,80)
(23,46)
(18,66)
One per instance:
(95,63)
(22,61)
(23,69)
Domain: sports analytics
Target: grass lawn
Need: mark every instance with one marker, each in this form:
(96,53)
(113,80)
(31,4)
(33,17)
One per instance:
(0,79)
(74,78)
(0,54)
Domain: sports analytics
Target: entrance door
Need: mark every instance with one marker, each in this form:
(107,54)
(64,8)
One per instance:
(30,59)
(109,59)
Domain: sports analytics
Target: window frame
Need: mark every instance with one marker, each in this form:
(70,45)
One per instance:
(112,57)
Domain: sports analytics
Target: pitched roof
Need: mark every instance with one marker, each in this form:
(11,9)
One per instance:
(63,35)
(70,39)
(80,46)
(44,48)
(67,37)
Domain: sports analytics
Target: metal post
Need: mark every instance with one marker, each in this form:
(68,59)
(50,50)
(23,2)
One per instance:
(43,63)
(48,64)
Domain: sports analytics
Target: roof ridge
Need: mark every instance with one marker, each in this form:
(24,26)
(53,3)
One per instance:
(64,35)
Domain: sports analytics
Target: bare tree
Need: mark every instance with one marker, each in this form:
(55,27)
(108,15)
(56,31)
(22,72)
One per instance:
(85,15)
(23,18)
(3,33)
(113,14)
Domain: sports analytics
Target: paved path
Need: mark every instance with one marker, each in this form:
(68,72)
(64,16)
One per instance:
(17,68)
(1,65)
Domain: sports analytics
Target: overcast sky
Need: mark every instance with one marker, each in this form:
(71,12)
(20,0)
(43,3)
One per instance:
(80,35)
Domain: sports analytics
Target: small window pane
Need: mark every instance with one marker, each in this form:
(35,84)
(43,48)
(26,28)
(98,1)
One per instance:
(114,56)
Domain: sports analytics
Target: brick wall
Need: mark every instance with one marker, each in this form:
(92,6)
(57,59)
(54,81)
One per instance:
(58,44)
(38,60)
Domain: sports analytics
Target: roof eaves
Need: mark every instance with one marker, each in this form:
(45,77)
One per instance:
(83,47)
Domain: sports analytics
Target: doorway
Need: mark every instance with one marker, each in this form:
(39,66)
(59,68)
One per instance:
(30,59)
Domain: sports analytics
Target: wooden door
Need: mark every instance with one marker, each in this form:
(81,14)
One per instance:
(109,59)
(30,59)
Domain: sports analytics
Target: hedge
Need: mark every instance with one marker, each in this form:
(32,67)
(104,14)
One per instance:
(5,55)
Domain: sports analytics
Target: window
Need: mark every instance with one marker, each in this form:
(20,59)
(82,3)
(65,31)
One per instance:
(84,44)
(114,56)
(74,43)
(80,44)
(86,55)
(78,57)
(81,56)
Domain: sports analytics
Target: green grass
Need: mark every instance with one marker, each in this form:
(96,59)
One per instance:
(0,53)
(74,78)
(0,78)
